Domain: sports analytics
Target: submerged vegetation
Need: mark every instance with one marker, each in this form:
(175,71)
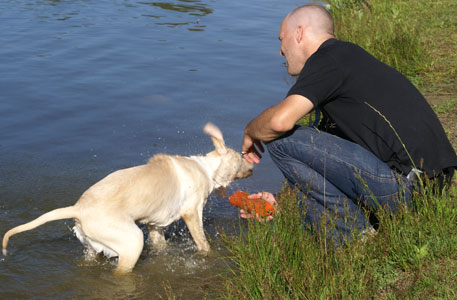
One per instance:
(414,253)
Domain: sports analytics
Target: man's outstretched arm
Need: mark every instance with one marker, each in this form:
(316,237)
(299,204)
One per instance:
(272,123)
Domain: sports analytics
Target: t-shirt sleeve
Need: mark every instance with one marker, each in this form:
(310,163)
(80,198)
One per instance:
(319,81)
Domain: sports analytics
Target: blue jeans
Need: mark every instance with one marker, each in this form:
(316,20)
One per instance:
(339,178)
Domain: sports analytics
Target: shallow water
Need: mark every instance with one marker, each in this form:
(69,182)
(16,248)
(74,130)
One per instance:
(89,87)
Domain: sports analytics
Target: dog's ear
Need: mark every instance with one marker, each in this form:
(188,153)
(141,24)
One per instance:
(216,136)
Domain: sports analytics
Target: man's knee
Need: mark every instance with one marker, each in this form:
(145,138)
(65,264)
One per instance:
(298,133)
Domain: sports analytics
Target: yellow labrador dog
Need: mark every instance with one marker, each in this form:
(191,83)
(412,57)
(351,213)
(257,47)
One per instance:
(167,188)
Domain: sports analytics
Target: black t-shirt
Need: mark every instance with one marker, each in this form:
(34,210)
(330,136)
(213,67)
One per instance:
(371,103)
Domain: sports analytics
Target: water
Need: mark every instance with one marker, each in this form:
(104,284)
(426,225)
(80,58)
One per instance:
(89,87)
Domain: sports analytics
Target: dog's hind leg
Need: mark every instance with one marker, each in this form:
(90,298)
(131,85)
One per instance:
(194,222)
(128,247)
(122,237)
(157,237)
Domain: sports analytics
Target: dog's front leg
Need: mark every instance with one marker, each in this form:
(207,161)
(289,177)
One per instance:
(157,237)
(194,222)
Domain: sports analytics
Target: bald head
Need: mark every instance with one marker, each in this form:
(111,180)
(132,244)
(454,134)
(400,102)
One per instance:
(312,16)
(302,32)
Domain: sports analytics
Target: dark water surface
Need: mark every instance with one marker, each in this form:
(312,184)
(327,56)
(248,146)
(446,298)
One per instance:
(89,87)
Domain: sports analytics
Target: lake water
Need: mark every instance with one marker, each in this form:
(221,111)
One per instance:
(88,87)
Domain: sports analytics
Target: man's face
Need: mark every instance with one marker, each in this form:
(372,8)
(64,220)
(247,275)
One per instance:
(290,49)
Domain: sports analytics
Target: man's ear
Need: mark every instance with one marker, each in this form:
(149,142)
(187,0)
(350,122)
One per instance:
(299,34)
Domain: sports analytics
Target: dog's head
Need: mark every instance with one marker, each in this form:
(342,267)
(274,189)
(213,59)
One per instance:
(232,165)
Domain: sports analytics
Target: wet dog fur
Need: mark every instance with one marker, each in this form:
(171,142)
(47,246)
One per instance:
(167,188)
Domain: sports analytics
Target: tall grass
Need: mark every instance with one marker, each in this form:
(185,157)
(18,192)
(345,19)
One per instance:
(284,259)
(386,29)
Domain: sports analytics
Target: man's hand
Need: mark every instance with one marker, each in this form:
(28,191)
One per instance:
(251,149)
(266,196)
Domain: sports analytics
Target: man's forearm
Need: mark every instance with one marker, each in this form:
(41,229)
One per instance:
(261,127)
(278,119)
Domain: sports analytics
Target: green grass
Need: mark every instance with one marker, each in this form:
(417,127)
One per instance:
(414,253)
(384,29)
(417,37)
(410,257)
(445,107)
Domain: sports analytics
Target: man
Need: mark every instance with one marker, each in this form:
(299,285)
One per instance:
(380,130)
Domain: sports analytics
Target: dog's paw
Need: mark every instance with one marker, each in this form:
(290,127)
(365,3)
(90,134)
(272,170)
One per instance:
(159,246)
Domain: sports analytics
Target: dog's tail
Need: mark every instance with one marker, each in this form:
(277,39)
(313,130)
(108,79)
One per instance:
(56,214)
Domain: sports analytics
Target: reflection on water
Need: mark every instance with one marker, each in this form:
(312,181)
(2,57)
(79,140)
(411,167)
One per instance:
(197,8)
(172,14)
(190,8)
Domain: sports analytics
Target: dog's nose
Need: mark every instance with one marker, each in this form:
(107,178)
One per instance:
(245,172)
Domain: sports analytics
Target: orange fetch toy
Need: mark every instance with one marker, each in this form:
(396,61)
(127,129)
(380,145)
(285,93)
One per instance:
(261,207)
